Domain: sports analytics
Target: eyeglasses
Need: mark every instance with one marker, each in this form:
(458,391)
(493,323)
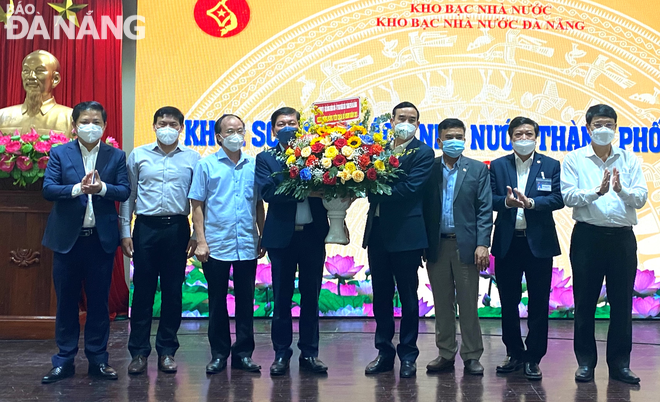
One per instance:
(608,125)
(232,132)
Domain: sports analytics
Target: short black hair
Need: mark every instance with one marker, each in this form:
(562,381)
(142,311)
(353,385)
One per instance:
(169,111)
(404,105)
(519,121)
(217,128)
(283,111)
(600,110)
(450,123)
(85,106)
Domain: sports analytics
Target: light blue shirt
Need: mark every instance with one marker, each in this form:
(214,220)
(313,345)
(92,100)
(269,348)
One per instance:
(448,185)
(230,200)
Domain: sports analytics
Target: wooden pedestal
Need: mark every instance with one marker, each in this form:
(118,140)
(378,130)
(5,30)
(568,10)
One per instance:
(27,297)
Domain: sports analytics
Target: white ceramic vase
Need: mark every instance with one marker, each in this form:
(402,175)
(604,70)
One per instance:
(336,214)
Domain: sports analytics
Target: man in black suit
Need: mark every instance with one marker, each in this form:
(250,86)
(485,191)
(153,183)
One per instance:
(526,189)
(458,213)
(294,236)
(396,238)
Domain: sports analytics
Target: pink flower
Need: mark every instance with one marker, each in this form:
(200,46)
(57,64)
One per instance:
(490,271)
(56,138)
(561,299)
(14,147)
(644,307)
(295,311)
(424,308)
(645,283)
(6,164)
(428,285)
(264,277)
(231,306)
(32,137)
(558,280)
(522,310)
(111,141)
(397,311)
(341,267)
(368,309)
(5,139)
(42,146)
(43,162)
(24,163)
(189,268)
(345,290)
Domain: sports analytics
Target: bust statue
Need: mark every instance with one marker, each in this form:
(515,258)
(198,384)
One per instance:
(40,75)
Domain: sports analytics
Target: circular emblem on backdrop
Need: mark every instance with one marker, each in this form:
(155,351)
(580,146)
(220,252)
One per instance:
(222,18)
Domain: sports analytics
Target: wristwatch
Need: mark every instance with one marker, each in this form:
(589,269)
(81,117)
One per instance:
(531,203)
(598,193)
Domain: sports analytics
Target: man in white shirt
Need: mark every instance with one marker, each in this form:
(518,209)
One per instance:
(604,185)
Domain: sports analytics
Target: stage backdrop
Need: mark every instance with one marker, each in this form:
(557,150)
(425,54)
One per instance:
(482,61)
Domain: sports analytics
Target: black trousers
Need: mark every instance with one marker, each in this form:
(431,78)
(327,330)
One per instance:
(307,255)
(86,262)
(538,273)
(159,250)
(217,277)
(388,269)
(596,253)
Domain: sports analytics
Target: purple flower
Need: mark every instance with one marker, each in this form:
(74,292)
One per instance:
(365,289)
(424,308)
(561,299)
(340,267)
(295,311)
(264,276)
(603,294)
(490,271)
(344,290)
(397,311)
(522,310)
(645,283)
(644,307)
(558,280)
(428,285)
(189,269)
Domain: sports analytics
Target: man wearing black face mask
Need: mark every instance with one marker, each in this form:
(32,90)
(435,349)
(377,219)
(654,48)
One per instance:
(294,236)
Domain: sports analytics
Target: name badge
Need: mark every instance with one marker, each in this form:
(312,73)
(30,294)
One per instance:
(543,184)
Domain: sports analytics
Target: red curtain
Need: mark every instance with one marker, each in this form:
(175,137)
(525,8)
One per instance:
(90,70)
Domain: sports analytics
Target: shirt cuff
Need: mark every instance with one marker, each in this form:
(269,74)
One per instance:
(77,190)
(125,231)
(592,196)
(104,189)
(623,194)
(507,207)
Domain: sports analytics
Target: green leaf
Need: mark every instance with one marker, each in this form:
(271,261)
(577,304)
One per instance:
(329,301)
(4,175)
(2,149)
(16,173)
(26,149)
(196,301)
(490,311)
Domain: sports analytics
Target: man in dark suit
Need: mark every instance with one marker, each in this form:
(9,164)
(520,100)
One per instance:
(395,239)
(526,189)
(294,237)
(84,178)
(458,213)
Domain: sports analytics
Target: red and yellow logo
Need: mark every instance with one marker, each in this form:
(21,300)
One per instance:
(222,18)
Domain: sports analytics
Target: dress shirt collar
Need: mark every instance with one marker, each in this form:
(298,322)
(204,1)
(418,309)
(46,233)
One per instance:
(526,164)
(84,150)
(156,147)
(45,106)
(591,154)
(221,154)
(402,147)
(456,164)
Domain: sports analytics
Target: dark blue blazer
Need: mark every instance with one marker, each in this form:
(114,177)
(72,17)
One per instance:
(65,169)
(541,232)
(281,216)
(401,214)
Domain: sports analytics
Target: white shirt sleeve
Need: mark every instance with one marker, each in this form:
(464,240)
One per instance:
(76,191)
(573,196)
(127,207)
(635,196)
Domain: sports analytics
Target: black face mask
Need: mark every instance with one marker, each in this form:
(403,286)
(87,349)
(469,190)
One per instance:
(286,134)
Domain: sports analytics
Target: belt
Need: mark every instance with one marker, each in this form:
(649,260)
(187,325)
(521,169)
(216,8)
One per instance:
(447,235)
(606,230)
(520,233)
(163,220)
(86,232)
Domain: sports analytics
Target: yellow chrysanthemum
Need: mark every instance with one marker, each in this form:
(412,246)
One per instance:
(305,152)
(354,142)
(358,176)
(378,137)
(331,152)
(344,176)
(379,165)
(326,163)
(350,167)
(315,140)
(347,151)
(322,130)
(291,160)
(290,151)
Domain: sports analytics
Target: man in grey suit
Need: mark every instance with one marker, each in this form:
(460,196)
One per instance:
(458,215)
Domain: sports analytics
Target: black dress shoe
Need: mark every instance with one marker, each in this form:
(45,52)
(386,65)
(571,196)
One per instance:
(245,364)
(279,366)
(473,367)
(510,365)
(102,371)
(138,365)
(380,365)
(59,373)
(216,365)
(408,369)
(624,375)
(312,364)
(440,364)
(533,371)
(584,374)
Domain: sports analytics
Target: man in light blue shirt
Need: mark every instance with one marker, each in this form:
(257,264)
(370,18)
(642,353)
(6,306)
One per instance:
(228,217)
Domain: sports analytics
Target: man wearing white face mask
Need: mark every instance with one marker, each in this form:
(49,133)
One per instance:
(228,216)
(160,175)
(604,185)
(526,189)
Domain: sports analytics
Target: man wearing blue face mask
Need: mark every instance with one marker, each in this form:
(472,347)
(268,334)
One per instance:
(604,185)
(160,175)
(458,215)
(526,189)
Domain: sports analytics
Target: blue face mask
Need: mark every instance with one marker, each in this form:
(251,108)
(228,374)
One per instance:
(286,134)
(453,148)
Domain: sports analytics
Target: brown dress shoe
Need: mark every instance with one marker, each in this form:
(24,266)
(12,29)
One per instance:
(440,364)
(166,364)
(138,365)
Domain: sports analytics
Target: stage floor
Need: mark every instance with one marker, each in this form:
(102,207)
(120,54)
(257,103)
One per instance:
(346,347)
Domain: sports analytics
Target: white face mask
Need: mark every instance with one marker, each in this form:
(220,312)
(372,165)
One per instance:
(524,147)
(233,143)
(404,130)
(167,135)
(90,133)
(602,136)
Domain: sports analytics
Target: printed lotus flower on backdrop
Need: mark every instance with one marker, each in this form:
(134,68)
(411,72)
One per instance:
(295,311)
(342,268)
(558,280)
(644,307)
(344,290)
(424,308)
(348,311)
(486,300)
(365,289)
(264,276)
(191,314)
(522,310)
(231,306)
(645,283)
(490,271)
(189,268)
(603,294)
(561,299)
(368,309)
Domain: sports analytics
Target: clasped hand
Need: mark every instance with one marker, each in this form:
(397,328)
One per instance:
(517,201)
(91,183)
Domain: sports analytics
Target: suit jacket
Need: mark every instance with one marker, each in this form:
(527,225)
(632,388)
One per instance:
(65,170)
(472,205)
(401,216)
(541,232)
(281,216)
